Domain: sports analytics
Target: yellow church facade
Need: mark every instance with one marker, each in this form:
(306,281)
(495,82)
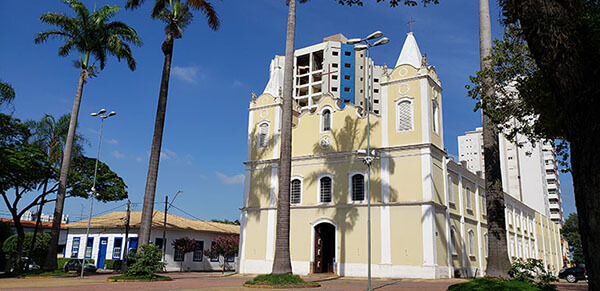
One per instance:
(427,212)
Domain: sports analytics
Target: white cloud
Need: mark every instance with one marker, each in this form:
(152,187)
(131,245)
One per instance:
(117,155)
(187,74)
(112,141)
(235,179)
(167,154)
(138,159)
(236,83)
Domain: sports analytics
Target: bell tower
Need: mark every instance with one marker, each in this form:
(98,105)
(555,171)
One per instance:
(412,100)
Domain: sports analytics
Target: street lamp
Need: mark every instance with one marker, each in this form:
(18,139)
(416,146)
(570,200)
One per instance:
(93,192)
(359,45)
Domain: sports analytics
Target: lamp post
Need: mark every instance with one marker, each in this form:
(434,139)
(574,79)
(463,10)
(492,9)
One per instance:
(359,45)
(93,192)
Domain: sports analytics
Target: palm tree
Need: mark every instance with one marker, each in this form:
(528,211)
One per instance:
(7,93)
(497,263)
(281,262)
(51,136)
(177,15)
(92,35)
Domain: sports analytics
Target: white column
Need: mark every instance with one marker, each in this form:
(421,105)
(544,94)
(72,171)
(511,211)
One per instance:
(479,234)
(427,210)
(386,257)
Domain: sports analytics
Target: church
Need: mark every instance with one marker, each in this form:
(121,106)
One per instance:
(428,217)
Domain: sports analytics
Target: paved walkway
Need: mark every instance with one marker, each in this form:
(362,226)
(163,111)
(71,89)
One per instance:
(217,281)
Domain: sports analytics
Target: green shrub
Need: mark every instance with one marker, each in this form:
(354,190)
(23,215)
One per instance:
(532,271)
(39,251)
(279,280)
(488,284)
(147,262)
(112,264)
(60,262)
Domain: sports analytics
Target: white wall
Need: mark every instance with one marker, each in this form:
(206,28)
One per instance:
(188,263)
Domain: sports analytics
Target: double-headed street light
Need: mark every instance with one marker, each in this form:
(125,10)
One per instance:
(359,45)
(93,192)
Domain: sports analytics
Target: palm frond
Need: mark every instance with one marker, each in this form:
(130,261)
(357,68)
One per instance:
(133,4)
(105,13)
(208,10)
(160,7)
(7,93)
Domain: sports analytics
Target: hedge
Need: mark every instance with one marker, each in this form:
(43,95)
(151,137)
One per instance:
(61,262)
(112,264)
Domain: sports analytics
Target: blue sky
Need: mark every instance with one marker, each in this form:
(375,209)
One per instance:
(213,74)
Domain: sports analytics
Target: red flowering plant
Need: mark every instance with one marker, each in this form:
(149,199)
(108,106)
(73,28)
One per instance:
(224,248)
(185,245)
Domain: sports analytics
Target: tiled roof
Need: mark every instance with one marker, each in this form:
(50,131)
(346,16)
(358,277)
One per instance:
(31,224)
(117,220)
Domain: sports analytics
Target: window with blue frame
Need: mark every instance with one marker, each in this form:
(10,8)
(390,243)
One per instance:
(178,255)
(75,247)
(118,246)
(158,242)
(214,258)
(88,248)
(199,252)
(229,259)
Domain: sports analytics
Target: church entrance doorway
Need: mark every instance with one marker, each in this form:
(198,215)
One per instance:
(324,248)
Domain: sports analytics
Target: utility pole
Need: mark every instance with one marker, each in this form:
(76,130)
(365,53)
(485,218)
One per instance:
(126,251)
(164,237)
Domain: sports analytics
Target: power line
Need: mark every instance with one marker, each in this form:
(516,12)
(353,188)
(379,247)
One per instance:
(224,230)
(106,211)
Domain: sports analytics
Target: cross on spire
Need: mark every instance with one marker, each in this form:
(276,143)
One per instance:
(410,23)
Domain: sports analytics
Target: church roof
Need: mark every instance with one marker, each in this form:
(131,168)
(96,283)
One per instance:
(410,54)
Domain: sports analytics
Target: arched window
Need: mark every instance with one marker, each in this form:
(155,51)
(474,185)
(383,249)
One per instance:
(435,119)
(326,120)
(453,240)
(485,244)
(358,187)
(468,198)
(295,191)
(325,190)
(263,134)
(471,243)
(404,113)
(450,190)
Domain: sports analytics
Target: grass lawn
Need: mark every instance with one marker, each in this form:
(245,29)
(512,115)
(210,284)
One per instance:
(125,278)
(280,281)
(485,284)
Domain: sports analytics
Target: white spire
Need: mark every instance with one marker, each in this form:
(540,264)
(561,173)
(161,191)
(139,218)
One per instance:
(276,79)
(410,53)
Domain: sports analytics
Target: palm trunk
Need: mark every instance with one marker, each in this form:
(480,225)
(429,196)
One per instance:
(50,263)
(498,263)
(146,224)
(282,263)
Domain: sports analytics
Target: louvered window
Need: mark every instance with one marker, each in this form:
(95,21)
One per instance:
(358,187)
(435,118)
(405,115)
(295,189)
(326,120)
(263,132)
(325,190)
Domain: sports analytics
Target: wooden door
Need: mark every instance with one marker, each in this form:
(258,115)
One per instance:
(318,263)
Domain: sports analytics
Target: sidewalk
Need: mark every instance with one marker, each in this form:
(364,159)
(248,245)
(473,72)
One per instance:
(229,281)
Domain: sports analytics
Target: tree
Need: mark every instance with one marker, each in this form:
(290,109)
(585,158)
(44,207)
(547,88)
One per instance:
(51,134)
(226,221)
(185,245)
(224,247)
(7,93)
(570,232)
(498,263)
(35,251)
(91,34)
(177,15)
(553,66)
(24,168)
